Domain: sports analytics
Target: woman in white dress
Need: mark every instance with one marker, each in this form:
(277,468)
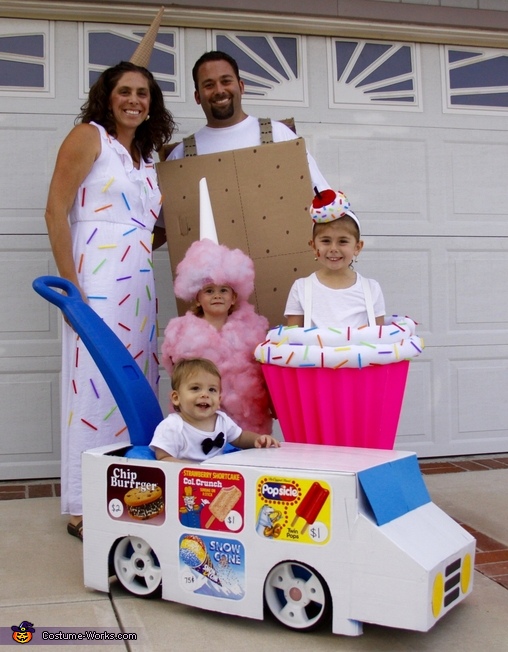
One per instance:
(102,207)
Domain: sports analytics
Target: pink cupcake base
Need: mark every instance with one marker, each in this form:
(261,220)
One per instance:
(340,407)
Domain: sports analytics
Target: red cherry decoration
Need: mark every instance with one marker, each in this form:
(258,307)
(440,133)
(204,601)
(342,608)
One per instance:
(323,198)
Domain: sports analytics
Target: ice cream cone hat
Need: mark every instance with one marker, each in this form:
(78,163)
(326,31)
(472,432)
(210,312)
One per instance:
(143,52)
(207,262)
(206,221)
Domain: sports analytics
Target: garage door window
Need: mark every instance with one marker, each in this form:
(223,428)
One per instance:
(476,79)
(105,45)
(368,73)
(25,56)
(273,66)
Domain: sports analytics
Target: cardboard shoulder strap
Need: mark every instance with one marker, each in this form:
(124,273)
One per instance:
(265,128)
(189,146)
(307,309)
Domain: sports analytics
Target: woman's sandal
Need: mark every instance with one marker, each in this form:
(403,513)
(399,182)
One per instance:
(76,530)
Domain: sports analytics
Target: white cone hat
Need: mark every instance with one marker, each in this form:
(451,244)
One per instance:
(207,262)
(143,52)
(206,221)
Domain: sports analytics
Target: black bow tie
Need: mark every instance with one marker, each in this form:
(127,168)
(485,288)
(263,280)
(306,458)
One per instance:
(208,443)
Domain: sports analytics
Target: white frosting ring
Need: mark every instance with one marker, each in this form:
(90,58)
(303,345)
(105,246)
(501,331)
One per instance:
(341,347)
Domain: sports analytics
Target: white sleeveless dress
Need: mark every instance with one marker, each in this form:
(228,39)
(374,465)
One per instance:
(112,220)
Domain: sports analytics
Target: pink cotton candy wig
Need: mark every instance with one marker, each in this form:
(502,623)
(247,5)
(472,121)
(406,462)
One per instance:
(207,262)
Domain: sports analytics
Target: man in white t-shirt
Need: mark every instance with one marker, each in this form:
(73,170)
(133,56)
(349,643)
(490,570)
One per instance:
(219,90)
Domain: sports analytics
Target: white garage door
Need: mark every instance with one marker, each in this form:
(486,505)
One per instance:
(414,134)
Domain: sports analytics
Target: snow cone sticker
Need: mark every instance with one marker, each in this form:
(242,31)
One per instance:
(212,566)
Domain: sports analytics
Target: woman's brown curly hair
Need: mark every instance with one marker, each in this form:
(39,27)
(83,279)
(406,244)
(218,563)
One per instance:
(150,135)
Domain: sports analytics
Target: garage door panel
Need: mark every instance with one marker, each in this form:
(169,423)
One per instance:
(455,402)
(25,316)
(491,374)
(29,362)
(478,405)
(393,174)
(425,424)
(476,269)
(477,192)
(37,390)
(29,326)
(479,281)
(25,178)
(382,170)
(455,288)
(404,273)
(29,418)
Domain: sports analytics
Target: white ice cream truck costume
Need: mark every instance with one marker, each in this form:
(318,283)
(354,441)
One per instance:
(307,531)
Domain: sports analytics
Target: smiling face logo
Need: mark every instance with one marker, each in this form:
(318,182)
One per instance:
(23,633)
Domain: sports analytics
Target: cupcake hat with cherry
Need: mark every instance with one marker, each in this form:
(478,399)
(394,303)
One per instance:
(329,205)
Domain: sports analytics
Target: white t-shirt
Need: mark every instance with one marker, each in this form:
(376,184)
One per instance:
(179,439)
(245,134)
(335,307)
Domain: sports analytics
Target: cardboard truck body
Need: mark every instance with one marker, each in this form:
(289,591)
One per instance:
(306,532)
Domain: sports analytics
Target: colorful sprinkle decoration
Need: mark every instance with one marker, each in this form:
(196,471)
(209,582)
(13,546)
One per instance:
(316,347)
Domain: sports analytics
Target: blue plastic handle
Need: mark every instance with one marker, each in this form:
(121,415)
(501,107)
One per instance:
(135,398)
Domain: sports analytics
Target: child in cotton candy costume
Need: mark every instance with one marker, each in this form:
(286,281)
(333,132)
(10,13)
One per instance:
(225,334)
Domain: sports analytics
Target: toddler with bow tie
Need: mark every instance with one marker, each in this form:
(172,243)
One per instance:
(198,430)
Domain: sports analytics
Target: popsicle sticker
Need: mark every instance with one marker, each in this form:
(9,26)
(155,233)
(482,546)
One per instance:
(311,505)
(223,503)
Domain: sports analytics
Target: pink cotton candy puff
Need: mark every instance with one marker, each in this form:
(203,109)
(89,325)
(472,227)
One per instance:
(207,262)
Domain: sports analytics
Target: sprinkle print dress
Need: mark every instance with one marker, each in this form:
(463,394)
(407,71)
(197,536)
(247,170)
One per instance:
(112,220)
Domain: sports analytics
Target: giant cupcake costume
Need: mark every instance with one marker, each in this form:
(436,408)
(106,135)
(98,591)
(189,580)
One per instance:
(339,385)
(244,395)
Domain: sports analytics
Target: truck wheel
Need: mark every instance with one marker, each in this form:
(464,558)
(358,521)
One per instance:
(137,567)
(297,596)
